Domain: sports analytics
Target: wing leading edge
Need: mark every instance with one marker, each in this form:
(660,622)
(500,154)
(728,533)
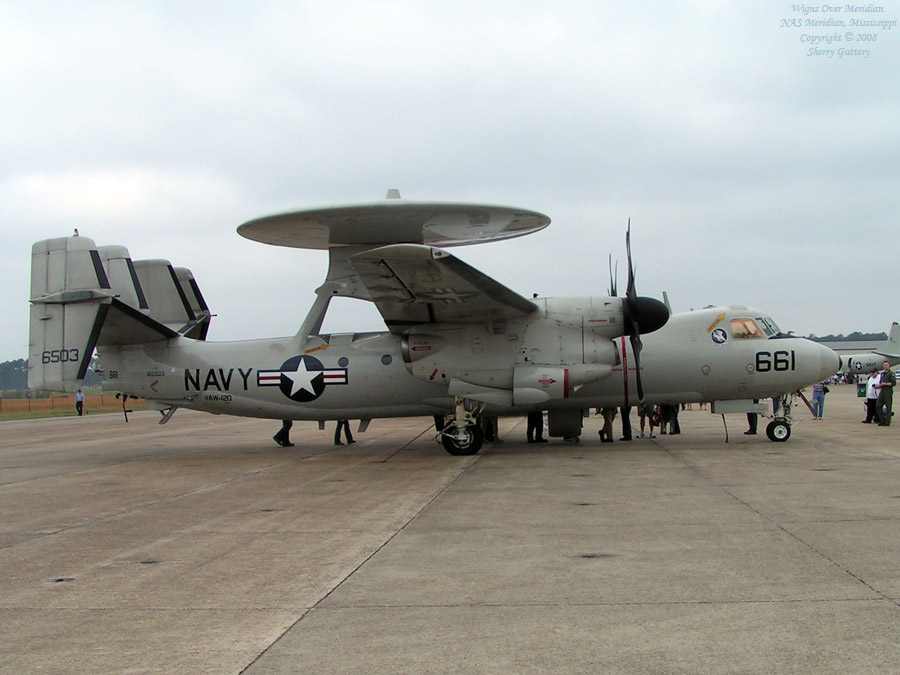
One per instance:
(412,284)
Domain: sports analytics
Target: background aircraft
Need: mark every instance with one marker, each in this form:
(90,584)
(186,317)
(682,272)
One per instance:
(866,362)
(458,342)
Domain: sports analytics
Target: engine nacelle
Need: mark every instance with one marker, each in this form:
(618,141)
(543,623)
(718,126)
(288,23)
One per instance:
(537,384)
(468,353)
(415,347)
(533,361)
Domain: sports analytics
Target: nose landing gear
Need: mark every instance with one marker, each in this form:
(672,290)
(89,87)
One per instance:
(779,429)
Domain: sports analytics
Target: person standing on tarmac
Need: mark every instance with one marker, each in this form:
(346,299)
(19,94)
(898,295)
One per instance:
(884,402)
(752,421)
(345,425)
(646,413)
(819,391)
(606,433)
(283,437)
(625,411)
(535,429)
(871,396)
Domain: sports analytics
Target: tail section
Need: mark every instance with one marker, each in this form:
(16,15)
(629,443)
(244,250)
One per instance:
(891,346)
(173,297)
(198,311)
(84,297)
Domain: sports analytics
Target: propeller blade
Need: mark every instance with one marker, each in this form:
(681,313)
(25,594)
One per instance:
(613,279)
(636,347)
(641,315)
(630,292)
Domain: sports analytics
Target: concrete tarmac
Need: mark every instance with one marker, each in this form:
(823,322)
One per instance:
(201,546)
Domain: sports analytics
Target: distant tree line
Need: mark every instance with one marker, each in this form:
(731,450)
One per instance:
(14,375)
(855,336)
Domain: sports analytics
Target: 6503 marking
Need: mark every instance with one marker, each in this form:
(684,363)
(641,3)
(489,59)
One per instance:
(60,356)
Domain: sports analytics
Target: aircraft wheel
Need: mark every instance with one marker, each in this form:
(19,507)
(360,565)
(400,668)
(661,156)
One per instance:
(778,431)
(467,441)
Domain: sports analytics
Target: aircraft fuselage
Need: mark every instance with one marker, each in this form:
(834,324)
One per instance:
(697,356)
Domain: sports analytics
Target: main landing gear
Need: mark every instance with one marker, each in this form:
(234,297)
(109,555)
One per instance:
(462,435)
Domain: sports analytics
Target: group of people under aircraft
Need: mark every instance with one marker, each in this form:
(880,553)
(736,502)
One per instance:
(879,407)
(663,417)
(283,437)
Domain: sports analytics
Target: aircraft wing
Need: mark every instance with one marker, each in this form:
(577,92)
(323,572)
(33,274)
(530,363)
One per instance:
(413,284)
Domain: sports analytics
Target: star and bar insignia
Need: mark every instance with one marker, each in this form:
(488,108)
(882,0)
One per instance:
(301,378)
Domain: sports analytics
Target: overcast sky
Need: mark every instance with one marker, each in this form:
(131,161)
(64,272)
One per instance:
(753,172)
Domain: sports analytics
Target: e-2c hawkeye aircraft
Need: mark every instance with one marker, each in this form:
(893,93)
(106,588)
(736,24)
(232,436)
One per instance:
(458,342)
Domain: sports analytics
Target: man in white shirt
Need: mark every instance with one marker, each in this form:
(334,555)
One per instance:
(871,396)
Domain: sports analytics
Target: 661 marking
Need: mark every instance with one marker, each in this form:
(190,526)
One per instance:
(60,356)
(780,361)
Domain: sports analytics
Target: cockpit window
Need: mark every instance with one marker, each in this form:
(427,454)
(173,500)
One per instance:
(745,328)
(769,326)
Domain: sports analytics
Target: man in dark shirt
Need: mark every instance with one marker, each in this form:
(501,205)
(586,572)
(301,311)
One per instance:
(885,400)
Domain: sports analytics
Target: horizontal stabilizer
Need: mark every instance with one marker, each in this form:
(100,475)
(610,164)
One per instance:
(124,325)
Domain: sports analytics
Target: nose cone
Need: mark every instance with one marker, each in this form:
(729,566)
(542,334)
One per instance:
(829,361)
(650,315)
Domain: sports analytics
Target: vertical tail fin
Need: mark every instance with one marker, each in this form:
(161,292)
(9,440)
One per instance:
(174,298)
(891,346)
(68,286)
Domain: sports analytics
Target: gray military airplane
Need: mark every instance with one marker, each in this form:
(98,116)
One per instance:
(457,342)
(866,362)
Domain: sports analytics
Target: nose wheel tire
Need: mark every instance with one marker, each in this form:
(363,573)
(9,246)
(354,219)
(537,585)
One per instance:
(778,431)
(465,441)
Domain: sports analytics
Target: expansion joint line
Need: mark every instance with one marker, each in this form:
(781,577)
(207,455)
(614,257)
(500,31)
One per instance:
(781,527)
(371,555)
